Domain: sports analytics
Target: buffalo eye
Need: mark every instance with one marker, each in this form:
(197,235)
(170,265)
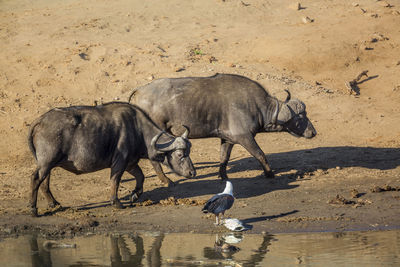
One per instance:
(179,154)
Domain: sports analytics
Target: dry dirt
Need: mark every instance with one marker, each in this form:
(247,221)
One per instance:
(69,52)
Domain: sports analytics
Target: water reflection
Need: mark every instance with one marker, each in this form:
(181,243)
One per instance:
(122,256)
(224,248)
(234,249)
(39,255)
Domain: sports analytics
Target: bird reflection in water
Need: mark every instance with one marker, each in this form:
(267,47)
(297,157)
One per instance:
(121,254)
(223,246)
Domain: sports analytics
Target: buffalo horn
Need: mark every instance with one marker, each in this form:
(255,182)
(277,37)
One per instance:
(288,96)
(154,141)
(186,133)
(131,95)
(276,112)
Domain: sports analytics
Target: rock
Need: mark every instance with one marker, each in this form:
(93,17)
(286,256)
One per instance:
(384,4)
(212,59)
(295,6)
(88,222)
(340,200)
(307,20)
(378,189)
(7,230)
(396,12)
(378,37)
(355,4)
(364,46)
(354,193)
(372,15)
(362,10)
(179,69)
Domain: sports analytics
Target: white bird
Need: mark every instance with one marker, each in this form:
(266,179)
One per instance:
(221,202)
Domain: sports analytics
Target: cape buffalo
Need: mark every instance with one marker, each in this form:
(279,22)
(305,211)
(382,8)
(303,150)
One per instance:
(231,107)
(83,139)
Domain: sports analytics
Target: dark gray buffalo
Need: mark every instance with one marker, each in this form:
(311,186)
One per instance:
(231,107)
(85,139)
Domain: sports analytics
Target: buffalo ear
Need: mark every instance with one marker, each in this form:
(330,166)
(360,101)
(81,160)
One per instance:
(159,157)
(290,109)
(297,106)
(285,113)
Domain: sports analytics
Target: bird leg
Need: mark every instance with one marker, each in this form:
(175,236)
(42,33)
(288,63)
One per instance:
(216,219)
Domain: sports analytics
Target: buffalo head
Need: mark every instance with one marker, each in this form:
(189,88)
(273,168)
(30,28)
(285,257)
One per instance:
(176,153)
(292,117)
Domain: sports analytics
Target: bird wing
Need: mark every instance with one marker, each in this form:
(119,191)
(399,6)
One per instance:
(209,203)
(219,203)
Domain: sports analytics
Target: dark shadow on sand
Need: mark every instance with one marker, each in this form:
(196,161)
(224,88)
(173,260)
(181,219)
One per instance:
(301,161)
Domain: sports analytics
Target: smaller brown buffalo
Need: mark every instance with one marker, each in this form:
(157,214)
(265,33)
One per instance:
(83,139)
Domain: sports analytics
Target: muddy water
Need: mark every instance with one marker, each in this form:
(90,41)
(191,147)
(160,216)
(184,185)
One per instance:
(157,249)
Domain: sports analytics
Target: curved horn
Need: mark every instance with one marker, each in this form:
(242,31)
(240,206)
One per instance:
(131,95)
(154,141)
(186,133)
(276,112)
(288,97)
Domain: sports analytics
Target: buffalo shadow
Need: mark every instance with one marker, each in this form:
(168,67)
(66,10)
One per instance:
(288,166)
(242,188)
(325,158)
(309,160)
(283,164)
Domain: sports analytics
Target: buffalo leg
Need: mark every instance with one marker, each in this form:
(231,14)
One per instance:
(252,147)
(49,196)
(37,178)
(115,178)
(164,179)
(226,149)
(137,172)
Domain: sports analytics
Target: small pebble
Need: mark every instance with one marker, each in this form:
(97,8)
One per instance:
(295,6)
(396,12)
(384,4)
(307,20)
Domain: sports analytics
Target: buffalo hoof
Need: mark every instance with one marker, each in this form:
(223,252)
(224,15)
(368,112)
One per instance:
(34,212)
(134,197)
(116,204)
(269,174)
(55,204)
(170,184)
(165,181)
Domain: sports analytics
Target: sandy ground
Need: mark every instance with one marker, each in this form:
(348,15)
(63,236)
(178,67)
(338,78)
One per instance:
(61,53)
